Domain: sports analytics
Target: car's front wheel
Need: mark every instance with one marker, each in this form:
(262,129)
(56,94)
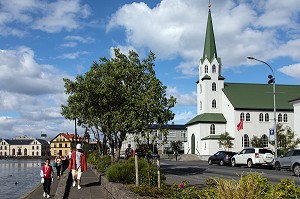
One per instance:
(296,170)
(209,162)
(277,166)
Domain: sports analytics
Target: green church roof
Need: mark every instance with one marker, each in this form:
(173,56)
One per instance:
(260,96)
(208,118)
(210,50)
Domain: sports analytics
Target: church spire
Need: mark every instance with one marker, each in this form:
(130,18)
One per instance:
(210,50)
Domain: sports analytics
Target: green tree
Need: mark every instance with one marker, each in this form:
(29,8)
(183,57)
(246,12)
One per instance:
(118,96)
(287,139)
(256,141)
(225,140)
(176,145)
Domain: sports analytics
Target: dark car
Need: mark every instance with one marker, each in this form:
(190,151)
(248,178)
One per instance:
(221,158)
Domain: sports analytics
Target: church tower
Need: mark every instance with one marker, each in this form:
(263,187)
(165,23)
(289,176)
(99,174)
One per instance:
(210,83)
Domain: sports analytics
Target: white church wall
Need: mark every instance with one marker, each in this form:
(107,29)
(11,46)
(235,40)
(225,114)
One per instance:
(297,118)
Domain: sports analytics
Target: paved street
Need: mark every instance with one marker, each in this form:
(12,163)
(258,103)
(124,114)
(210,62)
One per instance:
(196,172)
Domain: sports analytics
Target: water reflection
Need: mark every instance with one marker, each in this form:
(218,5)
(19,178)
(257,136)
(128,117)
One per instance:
(18,177)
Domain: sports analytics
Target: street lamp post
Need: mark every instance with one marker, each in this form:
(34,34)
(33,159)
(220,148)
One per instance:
(272,80)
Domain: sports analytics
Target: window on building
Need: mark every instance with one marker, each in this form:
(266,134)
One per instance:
(248,117)
(285,118)
(266,117)
(66,145)
(60,145)
(265,141)
(212,129)
(279,117)
(245,141)
(200,88)
(32,153)
(5,148)
(200,104)
(54,145)
(0,147)
(37,147)
(214,87)
(261,117)
(172,134)
(32,147)
(54,152)
(206,69)
(13,151)
(213,68)
(66,152)
(37,153)
(242,116)
(214,104)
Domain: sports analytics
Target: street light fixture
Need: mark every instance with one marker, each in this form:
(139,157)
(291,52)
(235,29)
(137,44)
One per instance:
(271,81)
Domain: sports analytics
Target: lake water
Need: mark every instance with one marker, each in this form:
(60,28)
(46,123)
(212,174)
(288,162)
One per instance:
(17,177)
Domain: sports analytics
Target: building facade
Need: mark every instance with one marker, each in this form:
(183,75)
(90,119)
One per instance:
(24,146)
(222,105)
(156,138)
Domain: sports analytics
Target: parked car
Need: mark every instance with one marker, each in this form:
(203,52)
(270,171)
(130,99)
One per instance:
(253,156)
(221,158)
(295,165)
(284,161)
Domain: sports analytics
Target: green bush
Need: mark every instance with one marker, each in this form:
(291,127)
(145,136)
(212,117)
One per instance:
(286,189)
(103,163)
(93,158)
(124,172)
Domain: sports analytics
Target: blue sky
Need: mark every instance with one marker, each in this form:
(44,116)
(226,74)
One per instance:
(43,41)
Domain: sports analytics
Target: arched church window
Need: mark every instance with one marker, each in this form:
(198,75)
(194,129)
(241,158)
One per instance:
(214,86)
(214,104)
(206,69)
(242,116)
(285,119)
(212,129)
(261,117)
(200,104)
(248,117)
(245,141)
(267,117)
(279,117)
(213,69)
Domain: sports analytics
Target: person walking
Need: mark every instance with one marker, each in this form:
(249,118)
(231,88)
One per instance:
(128,152)
(58,160)
(77,165)
(47,176)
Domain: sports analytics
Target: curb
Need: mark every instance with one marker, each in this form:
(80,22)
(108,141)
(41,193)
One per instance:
(30,192)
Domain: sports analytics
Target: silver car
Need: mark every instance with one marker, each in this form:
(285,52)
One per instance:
(284,161)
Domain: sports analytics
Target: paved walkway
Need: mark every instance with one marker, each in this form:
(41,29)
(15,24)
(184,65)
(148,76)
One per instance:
(90,187)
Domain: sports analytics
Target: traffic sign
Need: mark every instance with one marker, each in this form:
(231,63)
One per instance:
(272,135)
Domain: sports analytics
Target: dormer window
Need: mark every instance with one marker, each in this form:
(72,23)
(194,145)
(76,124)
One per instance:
(213,69)
(206,69)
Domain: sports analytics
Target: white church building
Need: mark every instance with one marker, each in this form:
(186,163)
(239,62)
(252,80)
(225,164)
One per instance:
(222,105)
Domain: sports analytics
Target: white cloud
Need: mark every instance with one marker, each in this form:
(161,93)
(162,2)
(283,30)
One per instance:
(182,99)
(248,28)
(20,73)
(51,17)
(73,55)
(183,117)
(291,70)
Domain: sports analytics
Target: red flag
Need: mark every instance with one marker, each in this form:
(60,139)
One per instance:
(240,125)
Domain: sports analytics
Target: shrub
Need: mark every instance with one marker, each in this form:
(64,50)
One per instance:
(286,189)
(93,158)
(124,172)
(103,163)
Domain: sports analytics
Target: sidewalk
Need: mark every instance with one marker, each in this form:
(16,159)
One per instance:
(90,187)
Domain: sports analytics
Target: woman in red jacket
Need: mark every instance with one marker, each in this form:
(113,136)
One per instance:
(47,175)
(77,165)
